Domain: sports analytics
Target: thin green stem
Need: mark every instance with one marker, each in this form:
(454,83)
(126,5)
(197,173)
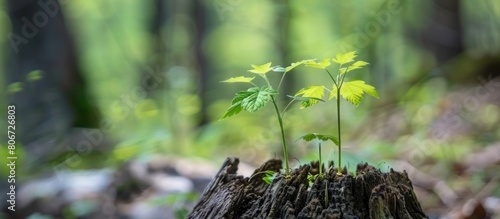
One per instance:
(339,172)
(285,152)
(338,84)
(320,163)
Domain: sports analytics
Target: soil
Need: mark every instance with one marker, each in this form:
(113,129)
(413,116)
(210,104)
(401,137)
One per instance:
(369,194)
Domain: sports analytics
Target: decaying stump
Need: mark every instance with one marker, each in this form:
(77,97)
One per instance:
(371,194)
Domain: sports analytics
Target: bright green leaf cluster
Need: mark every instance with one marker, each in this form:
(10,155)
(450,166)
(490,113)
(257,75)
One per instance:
(313,95)
(313,136)
(261,69)
(343,58)
(257,97)
(356,65)
(322,65)
(296,64)
(353,91)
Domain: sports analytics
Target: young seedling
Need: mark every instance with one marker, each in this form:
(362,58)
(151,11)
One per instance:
(352,91)
(257,97)
(320,138)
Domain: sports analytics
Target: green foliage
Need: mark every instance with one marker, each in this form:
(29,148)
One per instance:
(310,178)
(353,91)
(257,97)
(320,137)
(34,75)
(15,87)
(19,86)
(322,65)
(251,100)
(313,93)
(261,69)
(344,58)
(269,176)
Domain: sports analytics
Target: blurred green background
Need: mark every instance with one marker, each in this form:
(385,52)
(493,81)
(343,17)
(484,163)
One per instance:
(153,70)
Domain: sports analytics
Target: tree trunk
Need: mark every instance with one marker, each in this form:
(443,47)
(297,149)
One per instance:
(370,194)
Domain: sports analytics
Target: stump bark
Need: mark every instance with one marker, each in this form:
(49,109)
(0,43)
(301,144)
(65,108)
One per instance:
(369,194)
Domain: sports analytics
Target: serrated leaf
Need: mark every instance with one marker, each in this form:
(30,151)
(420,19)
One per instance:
(257,98)
(354,66)
(312,92)
(353,91)
(15,87)
(261,69)
(343,58)
(239,79)
(236,107)
(34,75)
(233,110)
(322,65)
(296,64)
(312,136)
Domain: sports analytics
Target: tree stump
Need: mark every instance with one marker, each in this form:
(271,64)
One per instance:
(369,194)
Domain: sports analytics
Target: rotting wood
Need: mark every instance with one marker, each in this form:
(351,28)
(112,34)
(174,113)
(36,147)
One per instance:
(370,194)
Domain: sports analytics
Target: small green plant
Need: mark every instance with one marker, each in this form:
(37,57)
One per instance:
(268,177)
(352,91)
(257,97)
(320,138)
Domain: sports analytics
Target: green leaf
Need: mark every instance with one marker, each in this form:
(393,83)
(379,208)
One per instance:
(296,64)
(322,65)
(343,58)
(34,75)
(236,107)
(353,91)
(257,98)
(261,69)
(15,87)
(311,178)
(239,79)
(233,110)
(313,93)
(269,176)
(354,66)
(313,136)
